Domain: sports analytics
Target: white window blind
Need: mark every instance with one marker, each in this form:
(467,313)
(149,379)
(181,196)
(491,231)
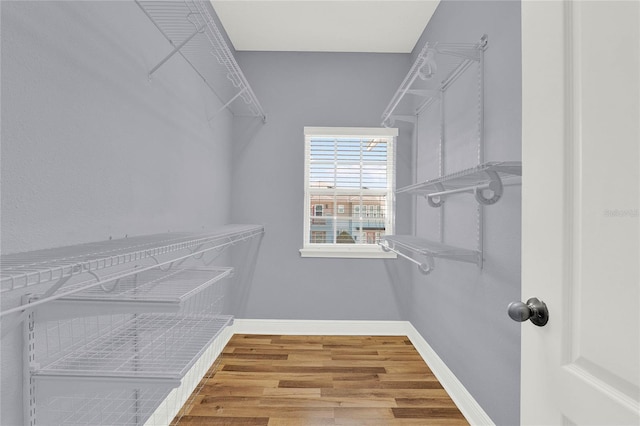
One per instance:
(350,173)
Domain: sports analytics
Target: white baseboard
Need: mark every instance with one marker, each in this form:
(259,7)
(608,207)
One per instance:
(319,327)
(459,394)
(469,407)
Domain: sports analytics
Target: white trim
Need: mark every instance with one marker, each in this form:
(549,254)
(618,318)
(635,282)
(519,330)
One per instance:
(351,131)
(320,327)
(469,407)
(310,249)
(368,251)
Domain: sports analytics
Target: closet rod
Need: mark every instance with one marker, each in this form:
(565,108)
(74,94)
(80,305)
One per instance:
(425,268)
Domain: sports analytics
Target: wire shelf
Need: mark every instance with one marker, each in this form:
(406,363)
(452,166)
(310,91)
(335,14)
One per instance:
(115,408)
(151,346)
(151,291)
(156,286)
(485,176)
(430,249)
(436,67)
(23,270)
(189,26)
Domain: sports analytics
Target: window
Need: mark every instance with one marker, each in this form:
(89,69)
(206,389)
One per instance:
(349,183)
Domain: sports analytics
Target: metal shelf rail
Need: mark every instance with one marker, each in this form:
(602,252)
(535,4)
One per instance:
(488,176)
(430,249)
(435,68)
(190,28)
(57,266)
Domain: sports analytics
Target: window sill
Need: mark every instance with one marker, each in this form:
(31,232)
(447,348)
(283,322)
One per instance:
(368,252)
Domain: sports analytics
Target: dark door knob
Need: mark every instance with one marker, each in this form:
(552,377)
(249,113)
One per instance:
(534,310)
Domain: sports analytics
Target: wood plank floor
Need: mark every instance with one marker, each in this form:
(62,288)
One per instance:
(321,380)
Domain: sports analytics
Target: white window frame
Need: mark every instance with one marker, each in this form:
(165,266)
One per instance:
(350,250)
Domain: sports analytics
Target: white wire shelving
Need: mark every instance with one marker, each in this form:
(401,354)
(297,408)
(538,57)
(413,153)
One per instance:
(429,249)
(435,68)
(113,329)
(152,291)
(190,28)
(57,266)
(476,180)
(147,350)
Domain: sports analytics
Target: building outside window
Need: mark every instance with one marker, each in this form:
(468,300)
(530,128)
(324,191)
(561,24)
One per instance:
(318,237)
(349,183)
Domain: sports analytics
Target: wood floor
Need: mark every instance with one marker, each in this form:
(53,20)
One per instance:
(321,380)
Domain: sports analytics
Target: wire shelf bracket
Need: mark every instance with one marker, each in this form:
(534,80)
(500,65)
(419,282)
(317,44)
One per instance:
(175,50)
(436,67)
(190,28)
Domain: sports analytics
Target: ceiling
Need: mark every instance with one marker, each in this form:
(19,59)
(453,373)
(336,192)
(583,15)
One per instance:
(382,26)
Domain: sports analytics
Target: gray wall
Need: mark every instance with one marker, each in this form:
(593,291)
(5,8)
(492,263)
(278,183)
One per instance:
(459,309)
(297,90)
(91,148)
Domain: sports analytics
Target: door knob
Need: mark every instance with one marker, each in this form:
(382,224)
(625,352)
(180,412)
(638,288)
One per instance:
(534,310)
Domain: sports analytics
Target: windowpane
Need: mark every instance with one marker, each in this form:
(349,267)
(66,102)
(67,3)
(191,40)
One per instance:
(349,189)
(348,163)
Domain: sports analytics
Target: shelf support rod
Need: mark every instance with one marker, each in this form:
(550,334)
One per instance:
(223,107)
(176,50)
(469,189)
(425,268)
(56,286)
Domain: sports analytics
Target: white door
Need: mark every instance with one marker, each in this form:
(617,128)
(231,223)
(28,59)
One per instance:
(581,233)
